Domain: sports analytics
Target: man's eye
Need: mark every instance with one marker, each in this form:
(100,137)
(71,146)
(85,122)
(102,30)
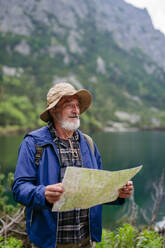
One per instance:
(68,105)
(71,105)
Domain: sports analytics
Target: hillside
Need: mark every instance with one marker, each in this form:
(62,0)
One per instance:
(106,46)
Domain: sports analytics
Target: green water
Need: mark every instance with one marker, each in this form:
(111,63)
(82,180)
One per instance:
(126,150)
(119,151)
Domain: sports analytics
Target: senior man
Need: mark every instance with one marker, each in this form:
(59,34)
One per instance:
(37,183)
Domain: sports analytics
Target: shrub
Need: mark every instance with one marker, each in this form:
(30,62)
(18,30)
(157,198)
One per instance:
(149,239)
(10,243)
(128,236)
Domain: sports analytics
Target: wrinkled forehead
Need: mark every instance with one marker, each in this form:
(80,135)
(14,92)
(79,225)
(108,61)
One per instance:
(68,99)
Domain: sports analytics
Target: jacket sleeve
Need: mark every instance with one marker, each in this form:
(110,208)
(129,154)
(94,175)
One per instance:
(118,201)
(25,190)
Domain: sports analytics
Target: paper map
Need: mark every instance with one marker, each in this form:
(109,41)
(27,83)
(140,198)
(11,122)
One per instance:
(85,188)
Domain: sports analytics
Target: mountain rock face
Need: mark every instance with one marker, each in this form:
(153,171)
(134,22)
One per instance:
(106,46)
(131,27)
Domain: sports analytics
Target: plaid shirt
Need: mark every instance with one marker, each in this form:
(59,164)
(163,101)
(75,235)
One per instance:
(73,226)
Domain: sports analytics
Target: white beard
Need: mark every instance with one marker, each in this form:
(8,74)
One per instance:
(71,126)
(68,125)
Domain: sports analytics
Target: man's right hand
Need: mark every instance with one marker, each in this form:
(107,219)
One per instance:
(53,192)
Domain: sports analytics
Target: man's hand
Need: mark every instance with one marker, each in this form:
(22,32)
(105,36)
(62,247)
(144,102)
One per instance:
(127,190)
(53,192)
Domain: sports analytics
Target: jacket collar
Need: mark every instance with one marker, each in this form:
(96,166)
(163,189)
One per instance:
(43,136)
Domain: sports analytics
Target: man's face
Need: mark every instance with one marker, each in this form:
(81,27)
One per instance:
(67,112)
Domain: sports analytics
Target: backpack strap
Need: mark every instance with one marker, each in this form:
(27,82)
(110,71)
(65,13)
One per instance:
(90,142)
(39,151)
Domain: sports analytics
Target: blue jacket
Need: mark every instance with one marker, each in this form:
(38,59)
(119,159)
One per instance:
(30,181)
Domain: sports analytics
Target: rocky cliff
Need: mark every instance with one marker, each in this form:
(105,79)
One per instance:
(131,27)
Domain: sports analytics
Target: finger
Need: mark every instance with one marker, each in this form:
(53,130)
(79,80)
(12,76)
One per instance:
(125,195)
(127,186)
(126,189)
(52,200)
(55,187)
(53,194)
(129,183)
(52,197)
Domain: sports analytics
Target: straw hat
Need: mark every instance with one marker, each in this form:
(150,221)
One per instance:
(65,89)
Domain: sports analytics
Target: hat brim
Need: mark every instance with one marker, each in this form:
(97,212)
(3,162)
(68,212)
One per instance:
(85,100)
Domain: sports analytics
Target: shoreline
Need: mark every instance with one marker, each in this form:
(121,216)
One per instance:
(15,130)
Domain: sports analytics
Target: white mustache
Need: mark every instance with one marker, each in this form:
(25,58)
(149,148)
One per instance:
(73,116)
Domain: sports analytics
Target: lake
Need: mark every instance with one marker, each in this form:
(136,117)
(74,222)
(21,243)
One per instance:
(118,151)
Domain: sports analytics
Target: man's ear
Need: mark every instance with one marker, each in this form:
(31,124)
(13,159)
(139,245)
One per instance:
(51,112)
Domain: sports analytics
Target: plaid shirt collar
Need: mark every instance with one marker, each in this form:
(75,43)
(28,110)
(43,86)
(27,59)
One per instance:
(54,135)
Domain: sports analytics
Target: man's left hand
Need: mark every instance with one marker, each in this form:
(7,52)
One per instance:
(127,190)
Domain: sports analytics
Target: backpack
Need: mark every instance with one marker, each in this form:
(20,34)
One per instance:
(40,149)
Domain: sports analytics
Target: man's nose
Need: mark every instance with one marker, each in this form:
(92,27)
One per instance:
(76,108)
